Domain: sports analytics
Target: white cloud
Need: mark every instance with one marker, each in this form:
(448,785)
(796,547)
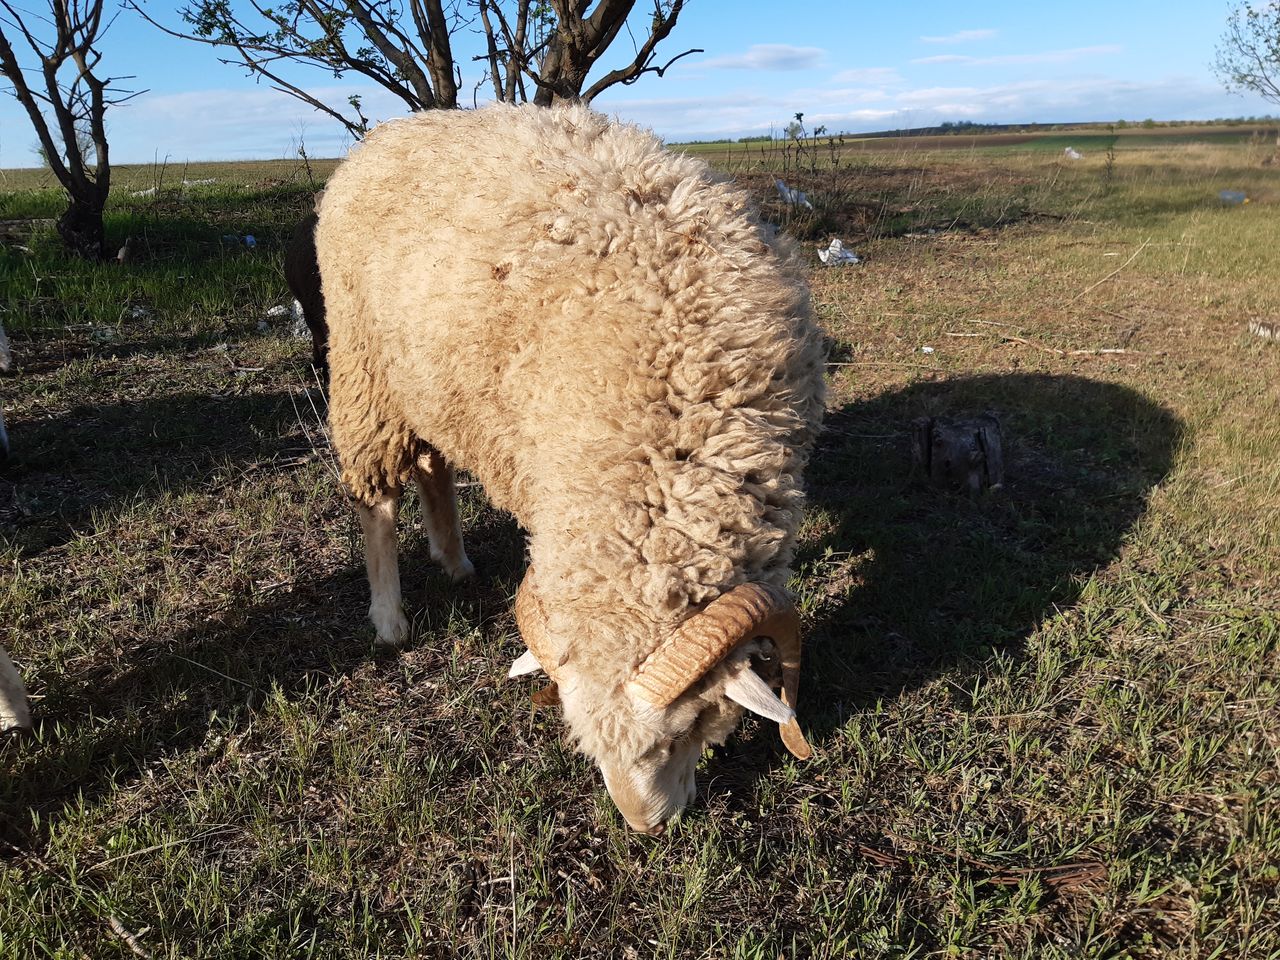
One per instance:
(768,56)
(1097,98)
(961,36)
(877,76)
(228,124)
(1048,56)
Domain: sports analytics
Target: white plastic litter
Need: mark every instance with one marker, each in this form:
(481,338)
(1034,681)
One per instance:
(149,192)
(280,311)
(836,255)
(792,196)
(1071,153)
(300,328)
(926,349)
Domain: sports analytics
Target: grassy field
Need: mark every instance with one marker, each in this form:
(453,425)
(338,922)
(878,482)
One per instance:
(1046,722)
(1083,137)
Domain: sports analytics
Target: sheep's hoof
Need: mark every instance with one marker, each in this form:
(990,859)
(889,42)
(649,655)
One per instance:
(17,719)
(14,712)
(391,626)
(456,569)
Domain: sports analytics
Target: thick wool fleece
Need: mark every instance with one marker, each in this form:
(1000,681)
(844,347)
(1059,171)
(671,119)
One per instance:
(604,334)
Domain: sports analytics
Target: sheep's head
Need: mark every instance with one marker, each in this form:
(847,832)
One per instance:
(688,694)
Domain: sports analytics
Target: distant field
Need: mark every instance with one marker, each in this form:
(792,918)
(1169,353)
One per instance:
(1046,722)
(1085,138)
(126,178)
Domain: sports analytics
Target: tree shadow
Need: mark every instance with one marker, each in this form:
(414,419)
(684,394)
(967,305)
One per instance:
(97,456)
(903,582)
(109,720)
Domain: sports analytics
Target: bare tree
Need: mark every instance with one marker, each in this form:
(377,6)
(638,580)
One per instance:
(1248,55)
(540,50)
(66,100)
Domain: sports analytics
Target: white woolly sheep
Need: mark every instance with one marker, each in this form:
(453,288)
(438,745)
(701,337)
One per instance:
(606,336)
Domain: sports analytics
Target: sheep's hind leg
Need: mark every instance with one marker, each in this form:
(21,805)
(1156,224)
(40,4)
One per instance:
(438,497)
(383,565)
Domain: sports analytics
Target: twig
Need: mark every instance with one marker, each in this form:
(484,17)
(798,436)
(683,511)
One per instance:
(948,333)
(1115,314)
(1091,352)
(880,363)
(130,939)
(118,928)
(1111,274)
(992,323)
(1007,338)
(1060,875)
(515,920)
(217,831)
(217,673)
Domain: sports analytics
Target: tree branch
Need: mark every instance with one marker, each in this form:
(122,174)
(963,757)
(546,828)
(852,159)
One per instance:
(659,31)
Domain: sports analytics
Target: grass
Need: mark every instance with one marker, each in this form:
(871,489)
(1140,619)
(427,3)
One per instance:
(1045,721)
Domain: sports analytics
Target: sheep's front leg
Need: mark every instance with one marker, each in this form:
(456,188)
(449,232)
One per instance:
(438,496)
(383,565)
(14,711)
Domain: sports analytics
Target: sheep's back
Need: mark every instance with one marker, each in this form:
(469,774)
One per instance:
(588,322)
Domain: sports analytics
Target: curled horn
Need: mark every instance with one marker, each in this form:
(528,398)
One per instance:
(748,610)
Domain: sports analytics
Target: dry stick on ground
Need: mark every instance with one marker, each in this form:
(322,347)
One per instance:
(1095,286)
(130,939)
(1089,352)
(993,323)
(879,363)
(119,929)
(1061,875)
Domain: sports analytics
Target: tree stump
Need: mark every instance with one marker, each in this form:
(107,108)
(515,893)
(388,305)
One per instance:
(959,454)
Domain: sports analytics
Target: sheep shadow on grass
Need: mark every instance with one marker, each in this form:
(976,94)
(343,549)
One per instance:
(904,582)
(98,456)
(161,695)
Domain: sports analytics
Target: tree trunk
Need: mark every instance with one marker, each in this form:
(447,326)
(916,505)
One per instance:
(81,229)
(967,454)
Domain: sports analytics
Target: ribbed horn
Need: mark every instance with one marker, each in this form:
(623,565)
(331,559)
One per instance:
(748,610)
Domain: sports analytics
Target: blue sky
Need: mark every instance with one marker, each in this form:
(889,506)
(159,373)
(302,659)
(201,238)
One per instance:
(849,66)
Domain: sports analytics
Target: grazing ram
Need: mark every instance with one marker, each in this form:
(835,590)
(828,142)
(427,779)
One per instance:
(605,335)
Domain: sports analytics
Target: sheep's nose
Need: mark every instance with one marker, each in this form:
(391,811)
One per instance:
(657,830)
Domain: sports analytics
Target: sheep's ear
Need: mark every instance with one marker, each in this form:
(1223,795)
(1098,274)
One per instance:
(746,687)
(525,663)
